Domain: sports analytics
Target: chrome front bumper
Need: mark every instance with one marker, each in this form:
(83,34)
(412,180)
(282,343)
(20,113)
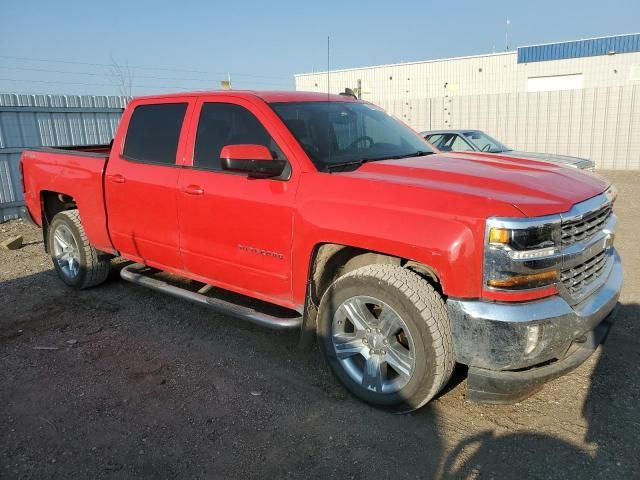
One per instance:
(496,339)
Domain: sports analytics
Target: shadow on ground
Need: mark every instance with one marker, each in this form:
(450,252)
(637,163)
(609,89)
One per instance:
(154,387)
(609,416)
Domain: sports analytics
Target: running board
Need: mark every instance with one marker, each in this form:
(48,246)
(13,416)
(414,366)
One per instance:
(132,273)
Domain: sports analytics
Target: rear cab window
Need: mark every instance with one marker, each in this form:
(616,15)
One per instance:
(153,133)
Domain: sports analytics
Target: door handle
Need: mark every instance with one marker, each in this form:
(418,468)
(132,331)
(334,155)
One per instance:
(117,178)
(193,190)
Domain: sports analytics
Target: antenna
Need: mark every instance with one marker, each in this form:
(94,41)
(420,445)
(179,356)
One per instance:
(506,36)
(328,65)
(328,96)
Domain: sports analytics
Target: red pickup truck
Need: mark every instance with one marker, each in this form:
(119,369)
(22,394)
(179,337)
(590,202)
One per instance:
(323,213)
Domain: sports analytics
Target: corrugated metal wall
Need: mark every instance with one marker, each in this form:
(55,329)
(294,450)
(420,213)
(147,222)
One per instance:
(602,124)
(48,120)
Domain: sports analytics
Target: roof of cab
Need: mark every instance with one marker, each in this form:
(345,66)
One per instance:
(268,96)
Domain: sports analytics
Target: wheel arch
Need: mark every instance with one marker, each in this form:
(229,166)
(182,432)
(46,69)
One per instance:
(330,261)
(52,203)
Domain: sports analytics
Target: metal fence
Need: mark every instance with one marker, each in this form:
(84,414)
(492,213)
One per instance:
(48,120)
(602,124)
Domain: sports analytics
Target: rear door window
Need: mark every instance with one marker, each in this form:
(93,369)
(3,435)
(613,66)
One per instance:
(154,132)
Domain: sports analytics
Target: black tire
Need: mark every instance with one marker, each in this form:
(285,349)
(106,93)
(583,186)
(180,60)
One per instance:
(93,265)
(424,313)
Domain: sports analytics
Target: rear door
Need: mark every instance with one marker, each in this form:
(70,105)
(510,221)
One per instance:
(235,231)
(141,182)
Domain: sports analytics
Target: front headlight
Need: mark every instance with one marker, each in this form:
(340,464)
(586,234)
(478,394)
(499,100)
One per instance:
(530,237)
(522,254)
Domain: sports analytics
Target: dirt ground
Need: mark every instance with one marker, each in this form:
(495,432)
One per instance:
(122,382)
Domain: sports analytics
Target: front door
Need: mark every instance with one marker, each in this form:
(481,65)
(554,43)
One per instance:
(235,231)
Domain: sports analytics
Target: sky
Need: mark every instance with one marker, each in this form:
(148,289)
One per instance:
(76,47)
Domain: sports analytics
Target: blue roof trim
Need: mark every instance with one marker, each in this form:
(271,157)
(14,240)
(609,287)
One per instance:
(579,48)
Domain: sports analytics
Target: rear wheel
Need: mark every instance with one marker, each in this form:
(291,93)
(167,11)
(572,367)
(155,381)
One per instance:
(76,261)
(385,333)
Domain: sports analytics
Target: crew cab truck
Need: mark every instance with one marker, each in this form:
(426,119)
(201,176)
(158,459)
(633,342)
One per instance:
(325,214)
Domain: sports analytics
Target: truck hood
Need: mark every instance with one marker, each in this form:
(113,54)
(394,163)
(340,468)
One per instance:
(534,187)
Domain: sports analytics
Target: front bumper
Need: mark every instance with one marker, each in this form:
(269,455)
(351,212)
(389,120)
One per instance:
(513,348)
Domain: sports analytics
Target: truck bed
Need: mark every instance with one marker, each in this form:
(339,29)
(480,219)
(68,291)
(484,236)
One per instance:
(76,172)
(100,151)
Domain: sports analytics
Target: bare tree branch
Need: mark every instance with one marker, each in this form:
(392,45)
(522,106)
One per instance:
(122,77)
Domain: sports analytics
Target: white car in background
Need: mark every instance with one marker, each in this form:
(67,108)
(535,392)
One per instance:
(478,141)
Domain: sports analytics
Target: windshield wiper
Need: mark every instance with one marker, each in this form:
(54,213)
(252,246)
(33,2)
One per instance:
(332,167)
(357,163)
(419,153)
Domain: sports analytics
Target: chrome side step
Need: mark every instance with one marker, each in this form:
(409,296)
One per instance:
(132,273)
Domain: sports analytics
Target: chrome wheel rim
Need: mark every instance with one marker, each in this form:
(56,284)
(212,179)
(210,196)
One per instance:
(66,253)
(373,344)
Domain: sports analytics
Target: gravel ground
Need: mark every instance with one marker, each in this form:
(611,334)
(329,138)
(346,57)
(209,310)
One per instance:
(123,382)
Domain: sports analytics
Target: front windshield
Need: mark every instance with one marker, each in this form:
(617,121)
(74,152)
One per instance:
(485,143)
(334,133)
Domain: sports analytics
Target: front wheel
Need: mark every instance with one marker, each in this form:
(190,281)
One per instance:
(76,261)
(385,333)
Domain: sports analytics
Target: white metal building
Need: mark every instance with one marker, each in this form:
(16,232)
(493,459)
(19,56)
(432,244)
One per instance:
(593,63)
(577,98)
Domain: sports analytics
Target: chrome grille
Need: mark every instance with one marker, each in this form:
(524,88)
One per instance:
(576,279)
(585,227)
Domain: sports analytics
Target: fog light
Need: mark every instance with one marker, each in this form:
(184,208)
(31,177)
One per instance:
(533,338)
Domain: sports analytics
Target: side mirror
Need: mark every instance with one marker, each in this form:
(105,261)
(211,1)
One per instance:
(254,160)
